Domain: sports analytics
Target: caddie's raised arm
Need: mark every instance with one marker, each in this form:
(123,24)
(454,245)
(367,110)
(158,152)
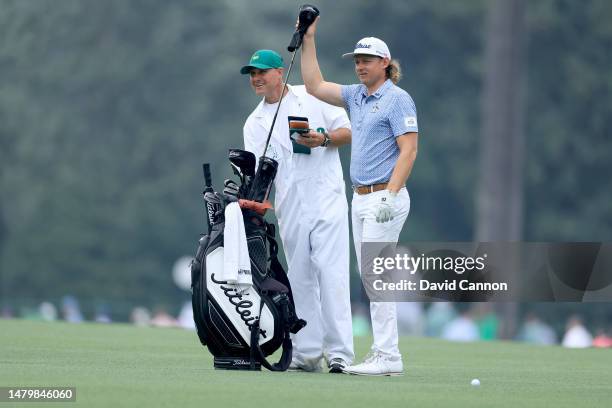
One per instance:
(311,73)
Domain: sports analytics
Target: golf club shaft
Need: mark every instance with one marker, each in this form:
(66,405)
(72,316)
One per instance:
(280,101)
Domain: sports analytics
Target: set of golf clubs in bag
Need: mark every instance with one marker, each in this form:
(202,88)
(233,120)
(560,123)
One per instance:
(243,324)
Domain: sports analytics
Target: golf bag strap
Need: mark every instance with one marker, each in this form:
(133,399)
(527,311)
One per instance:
(257,354)
(280,275)
(275,266)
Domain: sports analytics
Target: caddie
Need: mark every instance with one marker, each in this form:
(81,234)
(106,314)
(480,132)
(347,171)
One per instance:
(311,209)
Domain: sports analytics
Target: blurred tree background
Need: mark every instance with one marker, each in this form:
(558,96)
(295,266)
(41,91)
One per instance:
(108,109)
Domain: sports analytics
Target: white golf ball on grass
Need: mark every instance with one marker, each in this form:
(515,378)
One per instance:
(475,382)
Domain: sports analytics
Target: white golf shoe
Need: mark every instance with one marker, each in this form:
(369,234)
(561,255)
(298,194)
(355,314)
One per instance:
(309,367)
(378,364)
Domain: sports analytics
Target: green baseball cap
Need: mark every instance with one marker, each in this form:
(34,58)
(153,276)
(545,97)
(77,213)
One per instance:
(263,59)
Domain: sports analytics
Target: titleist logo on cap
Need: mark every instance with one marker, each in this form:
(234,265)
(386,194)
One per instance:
(370,46)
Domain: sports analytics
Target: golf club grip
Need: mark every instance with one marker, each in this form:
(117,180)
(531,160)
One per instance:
(296,41)
(207,176)
(210,208)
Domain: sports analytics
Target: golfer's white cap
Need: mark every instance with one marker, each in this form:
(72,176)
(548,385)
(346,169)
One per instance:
(370,46)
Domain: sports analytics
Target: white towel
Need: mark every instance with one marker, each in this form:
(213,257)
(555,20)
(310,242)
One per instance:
(236,262)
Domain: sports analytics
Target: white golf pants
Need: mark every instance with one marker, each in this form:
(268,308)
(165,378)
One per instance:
(366,229)
(315,236)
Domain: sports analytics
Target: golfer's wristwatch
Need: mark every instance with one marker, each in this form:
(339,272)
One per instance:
(326,140)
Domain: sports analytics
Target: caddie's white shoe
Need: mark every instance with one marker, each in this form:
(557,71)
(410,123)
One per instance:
(378,364)
(312,367)
(294,368)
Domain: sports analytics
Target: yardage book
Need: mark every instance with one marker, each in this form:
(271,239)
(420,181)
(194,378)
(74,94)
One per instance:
(298,125)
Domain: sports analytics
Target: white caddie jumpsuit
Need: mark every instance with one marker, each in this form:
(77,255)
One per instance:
(312,213)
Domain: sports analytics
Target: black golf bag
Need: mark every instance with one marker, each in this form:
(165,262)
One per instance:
(242,325)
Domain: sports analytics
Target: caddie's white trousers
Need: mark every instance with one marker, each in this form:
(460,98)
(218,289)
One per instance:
(315,235)
(366,229)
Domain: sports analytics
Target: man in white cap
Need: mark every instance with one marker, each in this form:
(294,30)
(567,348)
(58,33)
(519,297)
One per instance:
(384,148)
(311,208)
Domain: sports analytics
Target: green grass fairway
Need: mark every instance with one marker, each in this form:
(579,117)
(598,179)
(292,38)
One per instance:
(121,365)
